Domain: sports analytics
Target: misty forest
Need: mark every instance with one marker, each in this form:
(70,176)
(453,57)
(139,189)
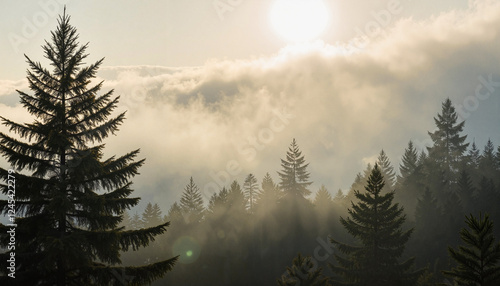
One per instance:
(427,220)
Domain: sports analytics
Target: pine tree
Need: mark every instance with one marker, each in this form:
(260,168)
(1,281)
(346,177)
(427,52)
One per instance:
(412,181)
(126,219)
(218,201)
(303,273)
(487,164)
(136,222)
(69,200)
(387,170)
(477,260)
(323,200)
(151,215)
(294,176)
(251,190)
(339,196)
(269,194)
(409,163)
(192,203)
(449,146)
(473,156)
(175,215)
(236,198)
(377,223)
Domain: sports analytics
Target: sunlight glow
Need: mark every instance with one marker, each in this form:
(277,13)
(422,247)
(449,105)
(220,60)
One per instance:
(299,20)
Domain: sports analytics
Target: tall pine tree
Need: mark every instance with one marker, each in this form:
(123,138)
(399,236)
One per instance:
(192,203)
(377,223)
(294,176)
(69,199)
(251,189)
(387,170)
(449,145)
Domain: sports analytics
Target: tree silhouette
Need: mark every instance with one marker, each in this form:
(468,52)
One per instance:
(449,145)
(377,223)
(387,170)
(192,203)
(478,260)
(251,188)
(294,176)
(69,199)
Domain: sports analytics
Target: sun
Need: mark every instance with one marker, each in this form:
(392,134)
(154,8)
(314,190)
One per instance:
(299,20)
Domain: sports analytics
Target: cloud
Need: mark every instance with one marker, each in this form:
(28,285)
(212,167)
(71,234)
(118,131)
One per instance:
(228,118)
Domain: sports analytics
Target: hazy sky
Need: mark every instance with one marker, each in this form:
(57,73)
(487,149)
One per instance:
(218,94)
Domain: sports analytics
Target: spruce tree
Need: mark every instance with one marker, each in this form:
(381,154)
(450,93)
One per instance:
(251,189)
(294,176)
(303,273)
(409,163)
(487,164)
(269,194)
(69,199)
(473,156)
(449,145)
(217,203)
(151,215)
(477,260)
(323,200)
(387,170)
(236,198)
(192,203)
(377,223)
(136,222)
(175,215)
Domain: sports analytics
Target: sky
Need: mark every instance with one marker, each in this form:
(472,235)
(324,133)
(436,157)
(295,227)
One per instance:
(213,91)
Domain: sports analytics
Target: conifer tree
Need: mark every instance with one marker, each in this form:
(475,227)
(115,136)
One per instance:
(473,156)
(192,203)
(126,219)
(218,201)
(323,200)
(377,223)
(449,145)
(136,222)
(69,199)
(409,163)
(175,215)
(387,170)
(477,260)
(269,194)
(294,176)
(487,164)
(339,196)
(236,198)
(151,215)
(303,273)
(251,189)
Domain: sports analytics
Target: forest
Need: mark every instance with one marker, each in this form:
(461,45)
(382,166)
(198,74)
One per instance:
(427,220)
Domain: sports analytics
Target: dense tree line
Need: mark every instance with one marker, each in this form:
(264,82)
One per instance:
(250,233)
